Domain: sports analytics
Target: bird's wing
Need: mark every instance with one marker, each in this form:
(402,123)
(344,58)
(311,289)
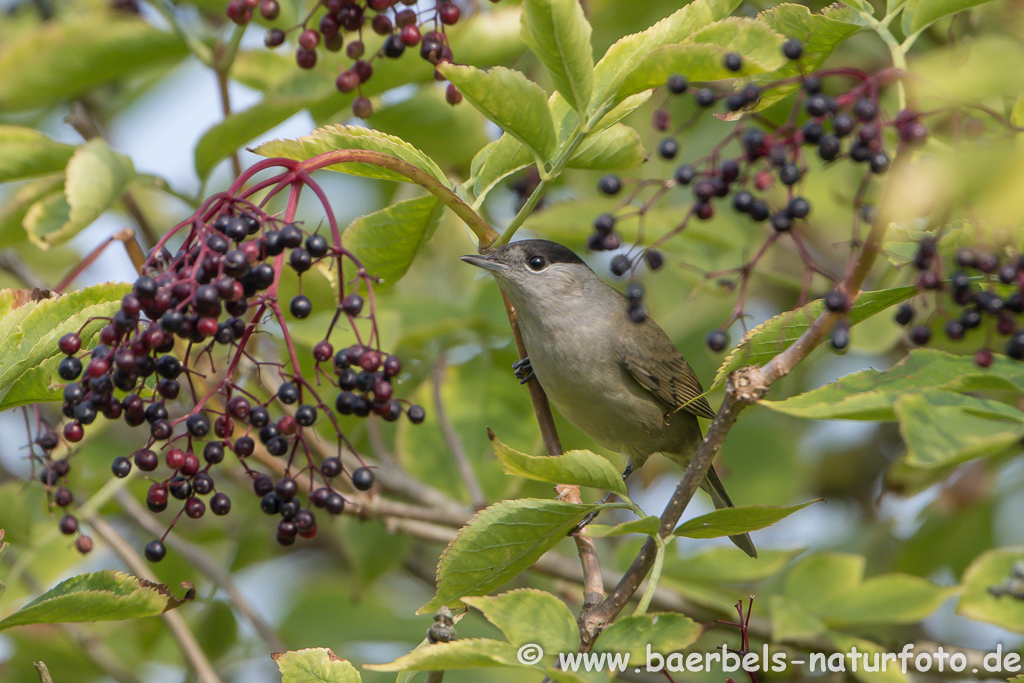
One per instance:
(671,380)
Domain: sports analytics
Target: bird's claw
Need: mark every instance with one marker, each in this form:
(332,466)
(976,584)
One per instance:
(523,370)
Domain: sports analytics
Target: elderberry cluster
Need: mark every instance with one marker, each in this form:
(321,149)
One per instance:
(983,297)
(213,294)
(326,24)
(760,169)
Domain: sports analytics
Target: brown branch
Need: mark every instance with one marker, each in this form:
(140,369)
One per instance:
(451,438)
(11,263)
(180,631)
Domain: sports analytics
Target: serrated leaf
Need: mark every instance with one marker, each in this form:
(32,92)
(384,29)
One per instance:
(500,542)
(31,325)
(699,57)
(96,176)
(337,137)
(39,70)
(663,633)
(991,571)
(582,468)
(25,152)
(509,99)
(387,241)
(618,147)
(528,615)
(644,525)
(315,665)
(790,621)
(625,56)
(736,520)
(766,340)
(920,14)
(101,596)
(467,653)
(557,31)
(943,427)
(872,395)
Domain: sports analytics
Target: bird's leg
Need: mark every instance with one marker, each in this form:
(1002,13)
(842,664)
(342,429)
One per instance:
(523,370)
(608,496)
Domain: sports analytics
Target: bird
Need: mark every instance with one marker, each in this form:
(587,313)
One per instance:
(622,383)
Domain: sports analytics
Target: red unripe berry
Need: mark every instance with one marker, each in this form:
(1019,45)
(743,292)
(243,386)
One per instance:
(207,327)
(191,465)
(323,351)
(362,107)
(763,180)
(270,9)
(73,432)
(239,12)
(355,49)
(195,508)
(175,458)
(223,427)
(70,343)
(83,544)
(983,358)
(410,35)
(370,360)
(363,69)
(309,39)
(287,425)
(347,81)
(452,94)
(449,13)
(68,525)
(305,58)
(97,367)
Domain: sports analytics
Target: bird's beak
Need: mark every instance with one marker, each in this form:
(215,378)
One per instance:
(482,262)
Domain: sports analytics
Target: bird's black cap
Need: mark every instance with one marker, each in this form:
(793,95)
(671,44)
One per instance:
(553,252)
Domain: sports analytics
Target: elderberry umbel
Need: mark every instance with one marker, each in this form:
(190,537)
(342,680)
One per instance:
(369,31)
(758,169)
(169,362)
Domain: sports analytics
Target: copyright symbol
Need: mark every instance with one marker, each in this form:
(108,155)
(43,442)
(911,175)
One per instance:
(530,654)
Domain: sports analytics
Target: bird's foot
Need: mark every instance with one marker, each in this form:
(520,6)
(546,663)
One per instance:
(523,370)
(586,520)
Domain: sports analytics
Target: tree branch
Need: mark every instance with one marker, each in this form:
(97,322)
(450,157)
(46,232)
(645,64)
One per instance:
(476,494)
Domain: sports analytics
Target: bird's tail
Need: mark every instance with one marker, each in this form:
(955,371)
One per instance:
(713,485)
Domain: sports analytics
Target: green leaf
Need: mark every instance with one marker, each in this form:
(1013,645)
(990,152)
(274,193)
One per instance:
(31,325)
(101,596)
(509,99)
(790,621)
(991,572)
(872,395)
(96,178)
(831,574)
(497,161)
(920,14)
(583,468)
(699,58)
(727,564)
(58,61)
(528,615)
(942,427)
(557,31)
(499,543)
(644,525)
(736,520)
(468,653)
(16,205)
(887,599)
(1017,113)
(25,152)
(336,137)
(617,147)
(626,55)
(315,665)
(663,632)
(841,597)
(387,241)
(766,340)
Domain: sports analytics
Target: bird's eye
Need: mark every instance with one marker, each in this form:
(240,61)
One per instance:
(537,262)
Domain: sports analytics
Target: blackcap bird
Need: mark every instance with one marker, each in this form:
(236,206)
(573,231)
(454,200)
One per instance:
(623,383)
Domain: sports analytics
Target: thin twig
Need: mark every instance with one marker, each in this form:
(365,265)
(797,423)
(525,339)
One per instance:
(451,438)
(180,631)
(202,561)
(11,263)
